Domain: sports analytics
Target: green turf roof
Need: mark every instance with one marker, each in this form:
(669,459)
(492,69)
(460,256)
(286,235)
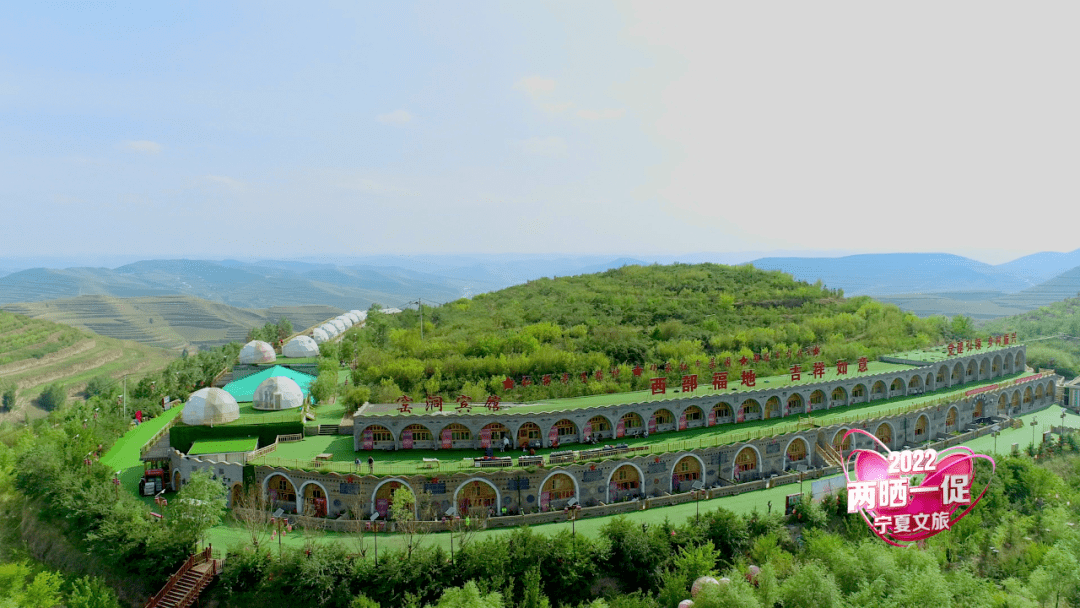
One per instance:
(244,388)
(222,446)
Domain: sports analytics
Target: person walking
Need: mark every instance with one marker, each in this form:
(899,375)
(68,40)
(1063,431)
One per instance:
(371,465)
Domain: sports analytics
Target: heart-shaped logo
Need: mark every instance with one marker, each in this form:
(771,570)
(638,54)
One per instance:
(911,495)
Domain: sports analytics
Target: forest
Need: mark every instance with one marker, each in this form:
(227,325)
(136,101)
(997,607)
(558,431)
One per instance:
(698,318)
(1052,334)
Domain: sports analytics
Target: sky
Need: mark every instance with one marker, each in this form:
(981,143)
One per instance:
(209,129)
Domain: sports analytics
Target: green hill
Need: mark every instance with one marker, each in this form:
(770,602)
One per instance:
(170,322)
(633,315)
(35,353)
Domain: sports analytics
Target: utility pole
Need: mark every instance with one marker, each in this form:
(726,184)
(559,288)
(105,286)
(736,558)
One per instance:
(420,305)
(125,397)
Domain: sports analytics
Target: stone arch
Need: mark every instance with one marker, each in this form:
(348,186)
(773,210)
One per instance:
(458,433)
(859,393)
(278,488)
(1027,395)
(380,435)
(978,408)
(922,428)
(995,365)
(817,400)
(750,410)
(929,386)
(878,390)
(527,434)
(746,463)
(915,382)
(1007,363)
(476,495)
(498,430)
(838,437)
(1038,392)
(772,407)
(1003,404)
(942,377)
(957,373)
(559,491)
(418,432)
(382,497)
(984,368)
(685,472)
(236,494)
(797,450)
(722,410)
(176,481)
(1049,389)
(631,420)
(1016,401)
(952,420)
(310,501)
(897,385)
(694,417)
(884,433)
(626,480)
(839,397)
(795,403)
(565,431)
(972,371)
(599,426)
(1019,361)
(665,421)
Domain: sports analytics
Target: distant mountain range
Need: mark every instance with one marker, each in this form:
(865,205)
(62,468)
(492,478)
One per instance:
(938,283)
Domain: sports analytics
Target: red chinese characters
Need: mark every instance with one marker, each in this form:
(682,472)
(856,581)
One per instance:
(546,380)
(796,372)
(433,401)
(749,378)
(584,377)
(841,368)
(658,385)
(463,403)
(565,378)
(599,375)
(526,381)
(719,380)
(492,403)
(978,343)
(637,370)
(689,383)
(819,369)
(404,401)
(952,349)
(863,364)
(743,360)
(816,350)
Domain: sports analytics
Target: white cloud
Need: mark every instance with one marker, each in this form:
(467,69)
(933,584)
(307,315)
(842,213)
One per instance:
(397,117)
(142,146)
(536,85)
(544,146)
(605,114)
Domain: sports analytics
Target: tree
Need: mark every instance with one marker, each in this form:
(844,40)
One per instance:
(469,596)
(199,506)
(88,592)
(7,395)
(100,385)
(355,397)
(254,512)
(52,397)
(284,328)
(324,387)
(404,513)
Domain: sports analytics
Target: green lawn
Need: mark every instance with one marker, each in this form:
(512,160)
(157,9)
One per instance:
(704,389)
(941,353)
(250,415)
(225,535)
(405,462)
(123,456)
(222,446)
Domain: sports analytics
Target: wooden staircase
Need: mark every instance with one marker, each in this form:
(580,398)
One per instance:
(184,587)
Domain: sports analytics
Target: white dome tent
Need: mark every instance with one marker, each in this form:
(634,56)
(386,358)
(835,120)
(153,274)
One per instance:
(278,393)
(339,325)
(301,346)
(319,336)
(257,351)
(210,406)
(330,330)
(361,316)
(345,319)
(352,317)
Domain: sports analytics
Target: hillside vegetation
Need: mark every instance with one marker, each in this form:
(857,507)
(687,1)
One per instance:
(1052,334)
(171,322)
(36,354)
(631,315)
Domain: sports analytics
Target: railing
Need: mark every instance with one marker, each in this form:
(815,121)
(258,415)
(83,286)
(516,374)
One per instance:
(263,451)
(290,438)
(158,435)
(189,563)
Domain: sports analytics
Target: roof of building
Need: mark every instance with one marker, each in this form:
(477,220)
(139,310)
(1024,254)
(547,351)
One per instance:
(244,388)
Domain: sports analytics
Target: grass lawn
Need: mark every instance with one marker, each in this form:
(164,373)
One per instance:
(704,389)
(250,415)
(940,353)
(405,462)
(222,446)
(329,413)
(123,456)
(229,534)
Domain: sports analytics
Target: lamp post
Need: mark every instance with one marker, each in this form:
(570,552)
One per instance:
(995,435)
(696,491)
(1034,421)
(572,512)
(116,484)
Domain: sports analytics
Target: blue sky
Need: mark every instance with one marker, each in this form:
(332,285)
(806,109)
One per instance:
(278,130)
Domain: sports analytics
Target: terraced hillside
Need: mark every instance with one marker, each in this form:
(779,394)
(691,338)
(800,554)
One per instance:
(35,353)
(170,322)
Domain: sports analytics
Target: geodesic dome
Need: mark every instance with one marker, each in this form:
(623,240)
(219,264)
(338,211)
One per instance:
(339,325)
(352,317)
(257,351)
(278,393)
(210,406)
(345,319)
(319,336)
(361,316)
(330,330)
(300,346)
